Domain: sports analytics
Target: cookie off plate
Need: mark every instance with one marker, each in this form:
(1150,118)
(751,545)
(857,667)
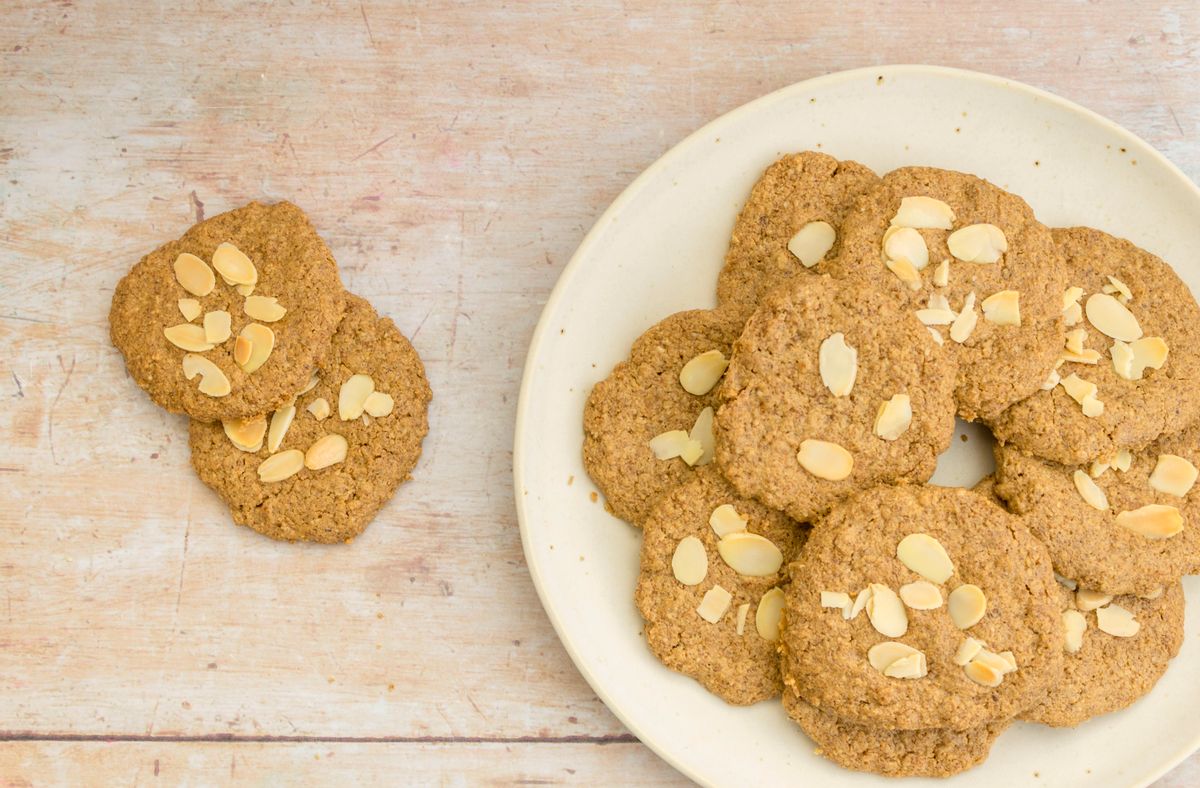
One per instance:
(657,250)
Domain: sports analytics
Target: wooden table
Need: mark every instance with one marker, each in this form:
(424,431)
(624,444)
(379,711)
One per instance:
(453,155)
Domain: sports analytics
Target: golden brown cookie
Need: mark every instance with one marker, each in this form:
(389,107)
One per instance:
(378,442)
(1052,423)
(643,398)
(288,262)
(684,560)
(983,579)
(1009,339)
(797,431)
(802,190)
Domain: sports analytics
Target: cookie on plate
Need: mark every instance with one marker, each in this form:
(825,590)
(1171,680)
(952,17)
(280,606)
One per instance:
(318,469)
(831,389)
(975,265)
(645,397)
(789,225)
(709,589)
(230,320)
(1116,651)
(921,607)
(1128,531)
(1132,345)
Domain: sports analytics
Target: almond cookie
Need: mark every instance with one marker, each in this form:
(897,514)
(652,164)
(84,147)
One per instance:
(1126,528)
(1116,651)
(789,225)
(929,752)
(230,320)
(709,588)
(320,467)
(648,425)
(1130,366)
(975,266)
(921,607)
(831,389)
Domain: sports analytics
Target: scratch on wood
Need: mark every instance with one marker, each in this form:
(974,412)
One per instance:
(20,388)
(367,23)
(375,147)
(54,404)
(197,206)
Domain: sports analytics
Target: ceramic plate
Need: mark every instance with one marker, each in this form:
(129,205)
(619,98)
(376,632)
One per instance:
(657,250)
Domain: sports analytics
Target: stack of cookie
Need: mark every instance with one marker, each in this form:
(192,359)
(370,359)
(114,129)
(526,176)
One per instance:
(775,452)
(307,408)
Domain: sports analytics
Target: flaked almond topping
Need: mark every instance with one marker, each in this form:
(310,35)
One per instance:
(983,674)
(313,380)
(194,275)
(1153,521)
(893,417)
(281,420)
(966,604)
(1117,621)
(1090,491)
(1075,340)
(1071,296)
(750,554)
(941,274)
(1118,290)
(937,337)
(977,243)
(911,667)
(925,555)
(1073,315)
(1098,467)
(886,611)
(1087,600)
(1052,380)
(1091,407)
(714,604)
(264,308)
(725,520)
(939,301)
(1130,360)
(262,342)
(319,408)
(234,266)
(906,272)
(1076,624)
(905,243)
(242,348)
(835,599)
(243,290)
(825,460)
(1173,475)
(743,611)
(1001,663)
(1083,392)
(246,434)
(1123,460)
(886,654)
(860,604)
(189,308)
(699,375)
(936,317)
(280,466)
(702,434)
(676,443)
(689,563)
(1088,356)
(326,451)
(1065,582)
(1003,308)
(352,397)
(188,336)
(1111,318)
(964,324)
(213,381)
(838,364)
(378,404)
(768,614)
(924,212)
(967,650)
(1154,594)
(217,326)
(812,243)
(921,595)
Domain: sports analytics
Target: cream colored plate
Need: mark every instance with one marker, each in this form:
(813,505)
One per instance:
(657,250)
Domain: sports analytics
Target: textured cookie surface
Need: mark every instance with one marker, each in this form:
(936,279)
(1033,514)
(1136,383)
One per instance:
(1089,545)
(826,657)
(743,667)
(643,398)
(798,189)
(1109,673)
(776,401)
(293,265)
(929,752)
(335,503)
(998,363)
(1051,424)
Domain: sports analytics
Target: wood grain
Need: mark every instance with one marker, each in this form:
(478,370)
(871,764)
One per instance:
(453,155)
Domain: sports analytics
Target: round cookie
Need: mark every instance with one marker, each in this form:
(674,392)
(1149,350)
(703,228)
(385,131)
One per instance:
(797,189)
(643,398)
(1052,424)
(929,752)
(1109,673)
(335,503)
(741,668)
(1087,544)
(999,363)
(777,405)
(826,656)
(293,265)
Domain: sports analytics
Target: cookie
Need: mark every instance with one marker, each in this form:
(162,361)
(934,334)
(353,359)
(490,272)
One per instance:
(342,469)
(685,562)
(643,398)
(983,579)
(800,426)
(789,224)
(203,369)
(1106,672)
(1115,280)
(1009,338)
(930,752)
(1107,549)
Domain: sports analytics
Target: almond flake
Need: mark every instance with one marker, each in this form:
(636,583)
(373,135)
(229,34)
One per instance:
(1072,315)
(1001,663)
(860,604)
(906,272)
(699,375)
(1130,361)
(262,342)
(689,563)
(1076,624)
(243,290)
(352,398)
(983,674)
(768,614)
(937,337)
(825,460)
(1154,594)
(924,213)
(702,436)
(1071,296)
(1052,380)
(939,301)
(378,404)
(213,381)
(743,611)
(216,326)
(1087,600)
(966,604)
(967,650)
(264,308)
(676,443)
(1075,340)
(925,555)
(1119,289)
(194,275)
(886,611)
(281,420)
(1088,356)
(838,364)
(1173,475)
(905,243)
(1066,582)
(1111,318)
(911,667)
(936,317)
(964,324)
(921,595)
(242,348)
(893,417)
(750,555)
(246,434)
(234,266)
(280,466)
(725,520)
(1123,460)
(319,408)
(835,599)
(189,308)
(1117,621)
(1003,308)
(812,243)
(326,451)
(1153,521)
(941,274)
(884,655)
(977,243)
(714,604)
(188,336)
(1090,491)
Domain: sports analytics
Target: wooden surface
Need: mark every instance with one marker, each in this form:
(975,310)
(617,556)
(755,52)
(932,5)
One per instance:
(453,155)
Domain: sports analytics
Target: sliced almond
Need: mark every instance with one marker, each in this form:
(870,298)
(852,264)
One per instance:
(925,555)
(966,604)
(939,301)
(825,460)
(1153,521)
(1066,582)
(906,272)
(188,336)
(313,380)
(911,667)
(1118,290)
(246,434)
(1173,475)
(725,520)
(699,375)
(1001,663)
(1071,296)
(750,554)
(281,420)
(838,364)
(702,435)
(1111,318)
(328,450)
(1052,380)
(213,381)
(1090,491)
(941,274)
(967,650)
(1131,360)
(893,417)
(937,337)
(936,317)
(964,324)
(977,243)
(194,275)
(234,266)
(905,243)
(1003,308)
(860,604)
(378,404)
(243,290)
(1091,407)
(217,326)
(1154,594)
(264,308)
(352,399)
(983,674)
(769,614)
(1078,388)
(262,342)
(1123,460)
(886,611)
(1117,621)
(1088,356)
(714,604)
(921,595)
(743,612)
(835,599)
(924,212)
(689,563)
(1087,600)
(674,443)
(280,466)
(883,655)
(319,408)
(812,243)
(242,348)
(1075,340)
(1072,315)
(1076,624)
(189,308)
